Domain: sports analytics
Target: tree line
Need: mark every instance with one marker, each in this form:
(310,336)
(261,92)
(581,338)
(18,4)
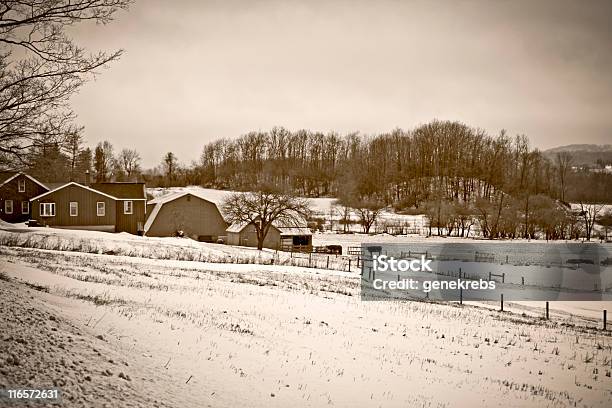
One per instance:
(460,177)
(401,168)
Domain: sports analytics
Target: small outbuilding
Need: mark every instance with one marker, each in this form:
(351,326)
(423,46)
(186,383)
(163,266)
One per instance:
(281,236)
(185,213)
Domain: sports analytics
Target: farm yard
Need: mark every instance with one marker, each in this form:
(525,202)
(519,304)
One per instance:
(198,331)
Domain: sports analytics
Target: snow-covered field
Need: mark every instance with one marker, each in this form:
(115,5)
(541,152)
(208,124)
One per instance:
(262,334)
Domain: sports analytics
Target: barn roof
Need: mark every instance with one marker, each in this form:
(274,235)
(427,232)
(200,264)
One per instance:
(122,190)
(160,201)
(237,227)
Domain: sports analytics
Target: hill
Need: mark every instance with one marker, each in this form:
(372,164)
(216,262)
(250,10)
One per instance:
(583,154)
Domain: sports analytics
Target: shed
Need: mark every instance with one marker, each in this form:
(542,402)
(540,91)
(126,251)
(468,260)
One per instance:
(185,213)
(281,236)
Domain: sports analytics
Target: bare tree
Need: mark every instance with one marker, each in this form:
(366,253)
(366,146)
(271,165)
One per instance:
(564,165)
(129,161)
(367,209)
(41,68)
(345,216)
(590,214)
(606,221)
(264,207)
(368,212)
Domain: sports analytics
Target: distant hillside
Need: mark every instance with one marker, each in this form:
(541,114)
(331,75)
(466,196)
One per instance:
(583,154)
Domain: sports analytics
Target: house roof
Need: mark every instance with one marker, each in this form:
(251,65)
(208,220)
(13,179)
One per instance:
(7,176)
(72,183)
(53,186)
(128,190)
(160,201)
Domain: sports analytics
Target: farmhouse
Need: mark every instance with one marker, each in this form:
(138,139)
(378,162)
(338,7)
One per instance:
(16,190)
(185,214)
(281,236)
(73,205)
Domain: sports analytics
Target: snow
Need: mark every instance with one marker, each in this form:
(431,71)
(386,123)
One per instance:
(208,324)
(267,335)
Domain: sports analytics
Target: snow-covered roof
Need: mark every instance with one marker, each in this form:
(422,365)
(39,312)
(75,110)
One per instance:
(237,227)
(284,227)
(294,231)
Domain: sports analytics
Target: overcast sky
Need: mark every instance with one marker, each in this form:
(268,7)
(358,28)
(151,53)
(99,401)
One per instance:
(195,71)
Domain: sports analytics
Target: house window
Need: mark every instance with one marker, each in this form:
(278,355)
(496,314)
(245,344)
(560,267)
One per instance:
(8,206)
(128,207)
(100,208)
(47,209)
(21,186)
(25,207)
(74,209)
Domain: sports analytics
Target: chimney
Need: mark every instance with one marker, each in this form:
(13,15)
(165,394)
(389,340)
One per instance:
(87,181)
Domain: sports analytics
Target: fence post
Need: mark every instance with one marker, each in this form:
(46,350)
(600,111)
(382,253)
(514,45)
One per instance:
(309,259)
(503,276)
(358,259)
(489,276)
(502,302)
(523,280)
(605,318)
(547,310)
(349,264)
(327,262)
(460,289)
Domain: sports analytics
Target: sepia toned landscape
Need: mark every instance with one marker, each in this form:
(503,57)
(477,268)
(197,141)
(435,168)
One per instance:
(195,198)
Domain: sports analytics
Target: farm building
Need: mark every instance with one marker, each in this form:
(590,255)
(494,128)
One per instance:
(16,190)
(130,204)
(185,214)
(280,236)
(73,205)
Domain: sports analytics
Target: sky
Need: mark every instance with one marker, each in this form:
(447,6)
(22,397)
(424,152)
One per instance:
(195,71)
